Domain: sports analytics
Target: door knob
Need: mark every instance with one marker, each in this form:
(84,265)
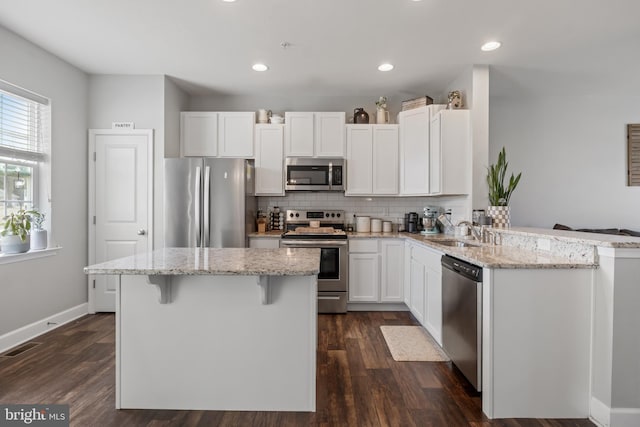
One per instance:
(141,232)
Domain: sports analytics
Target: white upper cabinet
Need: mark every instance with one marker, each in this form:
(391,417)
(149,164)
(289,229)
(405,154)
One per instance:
(198,134)
(329,140)
(299,134)
(235,134)
(269,160)
(309,134)
(414,150)
(216,134)
(372,160)
(449,152)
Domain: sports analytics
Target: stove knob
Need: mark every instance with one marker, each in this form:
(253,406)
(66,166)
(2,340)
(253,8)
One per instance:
(338,215)
(327,215)
(297,215)
(333,215)
(291,215)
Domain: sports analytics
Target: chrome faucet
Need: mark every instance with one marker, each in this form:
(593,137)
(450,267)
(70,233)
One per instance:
(475,234)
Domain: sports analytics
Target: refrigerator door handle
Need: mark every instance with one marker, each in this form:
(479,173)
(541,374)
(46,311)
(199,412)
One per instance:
(197,200)
(207,181)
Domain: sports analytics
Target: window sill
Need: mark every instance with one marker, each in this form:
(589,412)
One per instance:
(42,253)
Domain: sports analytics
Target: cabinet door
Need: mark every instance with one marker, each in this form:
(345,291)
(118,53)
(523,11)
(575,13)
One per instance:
(329,129)
(456,151)
(407,274)
(433,304)
(269,160)
(417,285)
(299,134)
(385,159)
(364,277)
(435,155)
(392,283)
(235,134)
(359,160)
(414,152)
(198,134)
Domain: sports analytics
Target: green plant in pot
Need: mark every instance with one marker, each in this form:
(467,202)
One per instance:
(15,238)
(499,191)
(38,233)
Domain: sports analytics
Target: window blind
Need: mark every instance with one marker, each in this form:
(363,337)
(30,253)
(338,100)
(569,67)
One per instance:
(22,124)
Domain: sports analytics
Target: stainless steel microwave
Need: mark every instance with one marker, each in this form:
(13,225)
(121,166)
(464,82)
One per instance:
(305,174)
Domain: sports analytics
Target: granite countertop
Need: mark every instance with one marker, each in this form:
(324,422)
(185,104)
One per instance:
(498,256)
(595,239)
(273,234)
(213,261)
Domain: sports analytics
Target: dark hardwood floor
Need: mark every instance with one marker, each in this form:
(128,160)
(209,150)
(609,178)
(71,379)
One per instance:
(359,384)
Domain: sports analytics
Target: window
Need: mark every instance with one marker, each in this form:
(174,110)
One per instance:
(24,136)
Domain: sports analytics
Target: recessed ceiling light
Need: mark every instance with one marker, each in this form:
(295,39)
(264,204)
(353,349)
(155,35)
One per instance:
(489,46)
(228,1)
(385,67)
(259,67)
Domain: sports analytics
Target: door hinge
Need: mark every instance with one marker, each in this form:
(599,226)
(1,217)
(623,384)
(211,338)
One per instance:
(94,283)
(94,156)
(94,220)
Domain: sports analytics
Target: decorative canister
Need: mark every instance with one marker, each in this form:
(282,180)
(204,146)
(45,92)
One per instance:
(360,116)
(363,224)
(386,226)
(376,225)
(500,216)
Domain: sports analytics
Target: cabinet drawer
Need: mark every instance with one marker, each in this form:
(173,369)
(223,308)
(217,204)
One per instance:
(363,245)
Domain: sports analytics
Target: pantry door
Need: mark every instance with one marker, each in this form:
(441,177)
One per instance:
(120,204)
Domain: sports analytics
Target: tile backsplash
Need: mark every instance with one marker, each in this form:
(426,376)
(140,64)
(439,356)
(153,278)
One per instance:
(386,208)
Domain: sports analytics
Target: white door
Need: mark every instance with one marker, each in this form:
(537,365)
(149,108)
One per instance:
(414,152)
(120,204)
(363,277)
(235,134)
(385,159)
(298,134)
(359,160)
(329,128)
(269,164)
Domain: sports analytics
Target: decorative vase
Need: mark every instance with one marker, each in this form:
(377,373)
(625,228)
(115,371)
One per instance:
(360,116)
(39,239)
(382,116)
(11,244)
(500,216)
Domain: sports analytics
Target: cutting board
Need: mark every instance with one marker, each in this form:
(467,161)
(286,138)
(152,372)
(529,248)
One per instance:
(315,230)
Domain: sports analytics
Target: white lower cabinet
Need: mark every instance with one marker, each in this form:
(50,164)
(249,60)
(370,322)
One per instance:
(264,243)
(376,270)
(392,270)
(425,287)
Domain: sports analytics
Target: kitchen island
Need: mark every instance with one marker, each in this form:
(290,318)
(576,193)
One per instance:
(216,329)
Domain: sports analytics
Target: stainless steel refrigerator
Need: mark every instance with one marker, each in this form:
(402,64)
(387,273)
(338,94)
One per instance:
(208,202)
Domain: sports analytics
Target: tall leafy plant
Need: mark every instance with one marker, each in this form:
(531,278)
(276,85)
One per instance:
(17,224)
(499,194)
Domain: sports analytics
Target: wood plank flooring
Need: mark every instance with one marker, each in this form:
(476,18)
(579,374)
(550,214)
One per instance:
(359,384)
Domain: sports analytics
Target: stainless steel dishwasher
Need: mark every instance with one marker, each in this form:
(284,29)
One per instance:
(462,317)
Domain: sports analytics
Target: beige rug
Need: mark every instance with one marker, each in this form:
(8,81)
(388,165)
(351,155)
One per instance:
(412,344)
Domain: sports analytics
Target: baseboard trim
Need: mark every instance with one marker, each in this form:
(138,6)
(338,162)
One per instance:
(372,306)
(600,413)
(28,332)
(625,417)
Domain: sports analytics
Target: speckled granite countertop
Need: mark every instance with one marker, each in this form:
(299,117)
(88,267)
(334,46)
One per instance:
(595,239)
(212,261)
(273,234)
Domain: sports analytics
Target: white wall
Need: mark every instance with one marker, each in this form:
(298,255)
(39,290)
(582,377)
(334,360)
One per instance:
(138,99)
(35,289)
(175,101)
(571,150)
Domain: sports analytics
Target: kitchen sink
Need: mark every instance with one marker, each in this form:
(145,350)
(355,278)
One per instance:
(456,243)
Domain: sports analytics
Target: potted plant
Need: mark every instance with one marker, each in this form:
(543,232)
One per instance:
(14,238)
(499,193)
(38,233)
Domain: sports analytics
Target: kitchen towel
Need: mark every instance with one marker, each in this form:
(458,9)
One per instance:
(412,344)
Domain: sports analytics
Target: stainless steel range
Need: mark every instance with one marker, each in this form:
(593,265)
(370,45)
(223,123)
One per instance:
(330,237)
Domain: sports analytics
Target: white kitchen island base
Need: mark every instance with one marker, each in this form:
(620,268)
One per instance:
(215,344)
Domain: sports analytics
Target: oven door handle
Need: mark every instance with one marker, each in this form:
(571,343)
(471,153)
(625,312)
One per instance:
(331,298)
(314,243)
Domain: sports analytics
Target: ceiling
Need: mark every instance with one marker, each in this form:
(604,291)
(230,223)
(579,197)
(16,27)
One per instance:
(335,46)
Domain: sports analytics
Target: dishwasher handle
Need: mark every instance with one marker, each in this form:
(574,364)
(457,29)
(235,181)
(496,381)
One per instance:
(463,268)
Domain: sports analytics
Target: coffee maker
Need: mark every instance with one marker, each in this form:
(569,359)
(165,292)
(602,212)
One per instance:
(411,222)
(429,221)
